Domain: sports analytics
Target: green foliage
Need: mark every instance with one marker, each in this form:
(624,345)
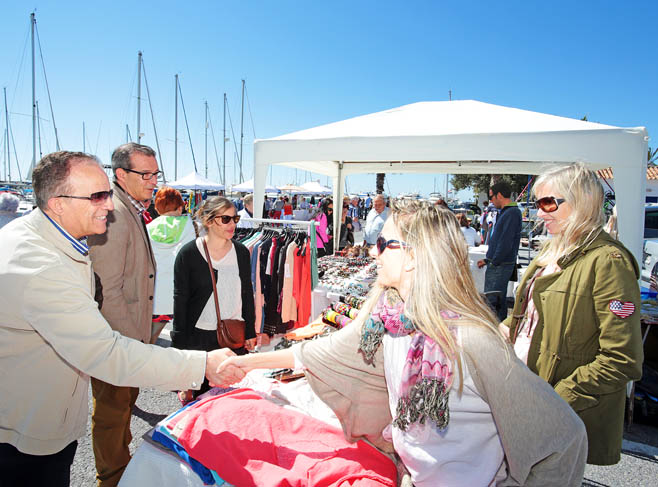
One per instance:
(482,182)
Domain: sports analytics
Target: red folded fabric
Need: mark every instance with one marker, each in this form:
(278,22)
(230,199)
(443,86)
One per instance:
(249,440)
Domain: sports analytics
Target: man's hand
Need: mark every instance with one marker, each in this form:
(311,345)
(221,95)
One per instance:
(218,376)
(481,263)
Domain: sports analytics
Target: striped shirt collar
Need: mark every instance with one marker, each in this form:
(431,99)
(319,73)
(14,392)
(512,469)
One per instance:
(136,204)
(78,244)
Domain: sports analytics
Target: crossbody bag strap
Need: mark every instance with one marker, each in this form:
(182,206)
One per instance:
(214,283)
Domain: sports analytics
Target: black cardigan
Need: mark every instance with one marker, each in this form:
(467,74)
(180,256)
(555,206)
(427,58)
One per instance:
(193,288)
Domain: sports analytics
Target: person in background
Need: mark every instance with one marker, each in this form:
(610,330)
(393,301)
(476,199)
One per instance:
(353,213)
(53,337)
(503,246)
(195,316)
(287,209)
(483,221)
(472,237)
(375,220)
(442,203)
(324,237)
(8,208)
(247,212)
(168,233)
(474,404)
(123,259)
(278,208)
(576,318)
(346,227)
(368,203)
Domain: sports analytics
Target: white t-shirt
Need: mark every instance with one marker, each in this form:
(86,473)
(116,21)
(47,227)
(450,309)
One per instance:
(229,290)
(467,452)
(472,237)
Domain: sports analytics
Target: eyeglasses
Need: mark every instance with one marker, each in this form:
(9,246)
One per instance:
(227,218)
(346,206)
(145,175)
(383,244)
(548,204)
(97,198)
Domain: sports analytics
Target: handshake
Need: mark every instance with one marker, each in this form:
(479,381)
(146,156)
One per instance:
(223,368)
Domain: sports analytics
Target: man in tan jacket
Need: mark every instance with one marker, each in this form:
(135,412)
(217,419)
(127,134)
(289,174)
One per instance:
(52,335)
(124,262)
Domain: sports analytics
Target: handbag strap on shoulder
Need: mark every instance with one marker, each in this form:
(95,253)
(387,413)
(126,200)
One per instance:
(212,277)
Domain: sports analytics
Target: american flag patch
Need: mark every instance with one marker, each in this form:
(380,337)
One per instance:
(623,310)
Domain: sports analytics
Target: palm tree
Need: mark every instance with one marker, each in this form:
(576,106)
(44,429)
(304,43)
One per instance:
(379,184)
(652,158)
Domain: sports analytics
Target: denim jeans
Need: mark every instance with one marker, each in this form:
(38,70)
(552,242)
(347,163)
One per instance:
(496,278)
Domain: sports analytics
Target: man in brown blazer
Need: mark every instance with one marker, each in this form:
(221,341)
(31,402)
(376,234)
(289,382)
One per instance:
(123,259)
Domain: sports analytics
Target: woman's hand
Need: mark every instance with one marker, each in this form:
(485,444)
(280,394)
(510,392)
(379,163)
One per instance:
(250,344)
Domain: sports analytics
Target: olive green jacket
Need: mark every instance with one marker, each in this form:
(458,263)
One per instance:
(579,346)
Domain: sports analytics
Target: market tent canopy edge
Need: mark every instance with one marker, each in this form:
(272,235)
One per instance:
(464,137)
(194,181)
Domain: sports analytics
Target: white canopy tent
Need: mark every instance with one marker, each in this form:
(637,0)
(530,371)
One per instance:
(248,187)
(464,137)
(195,181)
(315,188)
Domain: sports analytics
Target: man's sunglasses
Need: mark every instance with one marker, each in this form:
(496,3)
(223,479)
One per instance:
(383,244)
(548,204)
(227,218)
(96,198)
(145,175)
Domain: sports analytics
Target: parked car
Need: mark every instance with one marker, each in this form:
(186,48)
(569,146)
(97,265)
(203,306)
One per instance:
(651,221)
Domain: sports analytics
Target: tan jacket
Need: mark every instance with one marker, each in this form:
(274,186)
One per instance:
(52,338)
(125,264)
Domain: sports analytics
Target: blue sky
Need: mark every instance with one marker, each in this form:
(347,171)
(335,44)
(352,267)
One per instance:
(310,63)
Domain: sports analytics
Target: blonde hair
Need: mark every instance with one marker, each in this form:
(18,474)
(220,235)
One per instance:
(582,191)
(210,208)
(442,279)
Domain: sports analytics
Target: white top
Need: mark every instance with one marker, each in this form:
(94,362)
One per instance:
(229,290)
(467,452)
(374,224)
(472,237)
(243,223)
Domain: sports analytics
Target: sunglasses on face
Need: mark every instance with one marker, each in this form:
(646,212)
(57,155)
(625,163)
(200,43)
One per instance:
(227,218)
(145,175)
(97,198)
(383,244)
(548,204)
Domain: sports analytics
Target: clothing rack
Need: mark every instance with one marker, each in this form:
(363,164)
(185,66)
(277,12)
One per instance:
(311,224)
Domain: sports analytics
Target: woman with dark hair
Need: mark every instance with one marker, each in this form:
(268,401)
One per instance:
(195,316)
(324,229)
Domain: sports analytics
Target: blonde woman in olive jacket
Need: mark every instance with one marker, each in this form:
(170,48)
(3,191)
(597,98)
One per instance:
(576,316)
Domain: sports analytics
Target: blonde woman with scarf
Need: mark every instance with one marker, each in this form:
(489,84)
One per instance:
(423,370)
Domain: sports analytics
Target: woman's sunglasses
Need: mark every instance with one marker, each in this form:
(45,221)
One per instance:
(227,218)
(548,204)
(383,244)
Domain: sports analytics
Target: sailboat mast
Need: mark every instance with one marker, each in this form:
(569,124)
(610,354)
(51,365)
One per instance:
(139,96)
(84,138)
(176,132)
(241,130)
(224,147)
(34,103)
(8,167)
(39,130)
(206,173)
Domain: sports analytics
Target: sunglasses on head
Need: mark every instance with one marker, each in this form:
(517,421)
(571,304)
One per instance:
(383,244)
(548,204)
(96,198)
(227,218)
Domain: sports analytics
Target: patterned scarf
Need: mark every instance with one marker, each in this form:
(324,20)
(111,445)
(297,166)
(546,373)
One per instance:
(427,375)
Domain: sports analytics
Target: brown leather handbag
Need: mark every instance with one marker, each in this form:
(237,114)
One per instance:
(230,333)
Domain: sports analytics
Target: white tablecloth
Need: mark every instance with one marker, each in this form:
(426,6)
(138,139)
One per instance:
(478,253)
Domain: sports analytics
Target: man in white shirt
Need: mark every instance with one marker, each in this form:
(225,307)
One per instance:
(246,212)
(375,220)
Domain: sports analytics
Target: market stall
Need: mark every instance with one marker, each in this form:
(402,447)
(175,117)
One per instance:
(464,137)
